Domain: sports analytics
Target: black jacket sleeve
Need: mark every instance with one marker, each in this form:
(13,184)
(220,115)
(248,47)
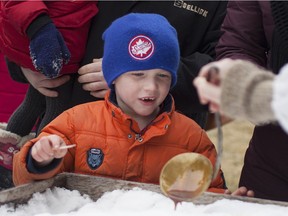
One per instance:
(184,93)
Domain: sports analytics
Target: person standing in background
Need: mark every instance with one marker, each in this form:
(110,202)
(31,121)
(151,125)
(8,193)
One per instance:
(249,34)
(198,26)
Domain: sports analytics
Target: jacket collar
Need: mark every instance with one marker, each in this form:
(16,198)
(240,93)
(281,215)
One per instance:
(167,105)
(167,109)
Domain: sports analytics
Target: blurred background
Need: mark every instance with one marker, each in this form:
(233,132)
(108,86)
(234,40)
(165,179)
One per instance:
(236,137)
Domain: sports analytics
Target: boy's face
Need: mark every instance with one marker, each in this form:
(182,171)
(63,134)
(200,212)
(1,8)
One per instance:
(139,93)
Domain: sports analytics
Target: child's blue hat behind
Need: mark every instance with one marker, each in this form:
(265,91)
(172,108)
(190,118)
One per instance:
(139,41)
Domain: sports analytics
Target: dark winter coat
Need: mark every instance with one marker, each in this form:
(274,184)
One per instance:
(198,25)
(248,34)
(72,19)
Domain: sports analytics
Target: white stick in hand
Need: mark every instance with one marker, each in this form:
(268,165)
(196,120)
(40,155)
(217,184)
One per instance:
(67,146)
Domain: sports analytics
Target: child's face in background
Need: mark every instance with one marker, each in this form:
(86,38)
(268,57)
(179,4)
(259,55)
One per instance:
(139,93)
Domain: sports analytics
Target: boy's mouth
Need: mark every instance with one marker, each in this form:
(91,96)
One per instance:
(148,99)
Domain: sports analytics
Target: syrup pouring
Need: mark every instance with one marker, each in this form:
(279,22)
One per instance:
(187,176)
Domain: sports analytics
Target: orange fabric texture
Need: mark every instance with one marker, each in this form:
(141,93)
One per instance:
(102,125)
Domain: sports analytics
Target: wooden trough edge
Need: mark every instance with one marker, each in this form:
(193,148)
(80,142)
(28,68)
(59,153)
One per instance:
(95,187)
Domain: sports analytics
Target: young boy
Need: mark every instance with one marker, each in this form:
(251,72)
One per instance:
(135,131)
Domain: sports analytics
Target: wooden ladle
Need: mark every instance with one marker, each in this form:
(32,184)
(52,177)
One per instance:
(187,176)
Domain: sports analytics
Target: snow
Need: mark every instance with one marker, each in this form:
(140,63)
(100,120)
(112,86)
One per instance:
(135,202)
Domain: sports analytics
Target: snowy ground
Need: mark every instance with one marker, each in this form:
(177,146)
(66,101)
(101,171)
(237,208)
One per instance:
(136,202)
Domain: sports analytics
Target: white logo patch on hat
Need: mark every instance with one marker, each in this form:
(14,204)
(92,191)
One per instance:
(141,47)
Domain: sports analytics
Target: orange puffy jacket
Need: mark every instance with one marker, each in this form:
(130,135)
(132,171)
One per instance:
(109,146)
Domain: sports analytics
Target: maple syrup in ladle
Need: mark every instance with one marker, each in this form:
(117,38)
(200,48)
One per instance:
(187,176)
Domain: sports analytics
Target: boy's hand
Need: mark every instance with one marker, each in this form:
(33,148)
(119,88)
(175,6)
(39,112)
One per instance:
(241,191)
(47,148)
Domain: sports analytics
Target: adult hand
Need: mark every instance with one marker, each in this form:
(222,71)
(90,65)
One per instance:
(241,191)
(43,84)
(209,88)
(91,76)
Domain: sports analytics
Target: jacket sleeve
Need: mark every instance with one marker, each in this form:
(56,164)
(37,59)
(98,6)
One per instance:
(243,34)
(280,97)
(247,93)
(184,93)
(22,13)
(21,174)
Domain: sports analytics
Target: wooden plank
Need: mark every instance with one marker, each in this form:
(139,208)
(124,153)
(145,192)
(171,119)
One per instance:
(23,193)
(95,187)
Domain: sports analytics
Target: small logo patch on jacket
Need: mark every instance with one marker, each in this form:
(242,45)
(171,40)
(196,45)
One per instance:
(95,158)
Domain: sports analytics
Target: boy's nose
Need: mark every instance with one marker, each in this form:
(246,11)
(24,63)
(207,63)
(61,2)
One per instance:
(150,84)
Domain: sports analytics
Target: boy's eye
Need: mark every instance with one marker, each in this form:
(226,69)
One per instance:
(164,75)
(137,74)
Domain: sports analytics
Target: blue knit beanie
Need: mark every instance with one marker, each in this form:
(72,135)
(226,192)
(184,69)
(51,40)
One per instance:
(139,41)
